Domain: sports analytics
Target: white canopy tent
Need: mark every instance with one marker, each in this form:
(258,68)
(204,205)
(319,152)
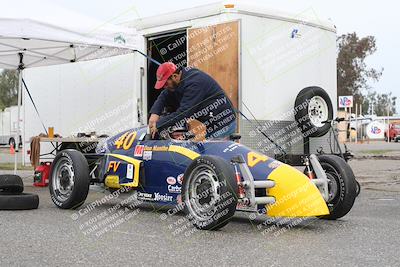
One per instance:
(51,36)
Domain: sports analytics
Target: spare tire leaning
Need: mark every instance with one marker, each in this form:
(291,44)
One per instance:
(11,183)
(312,107)
(22,201)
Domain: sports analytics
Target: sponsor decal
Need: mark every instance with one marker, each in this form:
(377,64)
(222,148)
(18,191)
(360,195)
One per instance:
(231,148)
(375,130)
(154,197)
(295,34)
(129,171)
(180,178)
(156,148)
(162,197)
(346,101)
(171,180)
(160,148)
(138,151)
(114,165)
(144,196)
(119,39)
(147,155)
(274,164)
(176,189)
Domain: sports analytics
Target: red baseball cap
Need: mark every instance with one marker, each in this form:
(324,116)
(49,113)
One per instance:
(164,71)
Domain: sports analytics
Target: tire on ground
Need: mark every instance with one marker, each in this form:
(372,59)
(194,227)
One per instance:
(66,160)
(312,106)
(209,192)
(21,201)
(342,179)
(11,183)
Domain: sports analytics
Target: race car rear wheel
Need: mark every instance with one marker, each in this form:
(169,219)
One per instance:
(209,192)
(69,179)
(342,186)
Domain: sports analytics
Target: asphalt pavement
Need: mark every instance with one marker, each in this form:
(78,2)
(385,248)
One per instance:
(116,231)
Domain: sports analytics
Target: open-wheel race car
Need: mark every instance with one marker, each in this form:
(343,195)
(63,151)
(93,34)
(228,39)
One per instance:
(210,180)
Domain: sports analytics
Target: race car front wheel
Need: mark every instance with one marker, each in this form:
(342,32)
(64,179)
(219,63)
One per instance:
(69,179)
(342,186)
(209,192)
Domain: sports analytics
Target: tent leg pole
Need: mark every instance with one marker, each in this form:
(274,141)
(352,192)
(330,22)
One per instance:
(23,153)
(18,121)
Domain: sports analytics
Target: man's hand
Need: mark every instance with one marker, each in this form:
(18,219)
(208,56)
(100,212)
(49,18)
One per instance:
(152,124)
(153,120)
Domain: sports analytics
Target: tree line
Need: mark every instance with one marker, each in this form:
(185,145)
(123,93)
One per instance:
(354,76)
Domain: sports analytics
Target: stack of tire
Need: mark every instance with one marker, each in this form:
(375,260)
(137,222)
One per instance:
(12,196)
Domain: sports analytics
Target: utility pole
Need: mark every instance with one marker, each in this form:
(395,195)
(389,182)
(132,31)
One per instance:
(388,123)
(356,123)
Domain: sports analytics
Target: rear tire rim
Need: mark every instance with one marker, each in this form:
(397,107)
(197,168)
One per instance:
(318,111)
(332,187)
(203,189)
(63,179)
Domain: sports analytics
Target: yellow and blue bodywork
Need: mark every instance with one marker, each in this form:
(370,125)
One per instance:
(155,169)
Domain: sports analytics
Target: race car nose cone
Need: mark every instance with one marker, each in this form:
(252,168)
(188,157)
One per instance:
(295,195)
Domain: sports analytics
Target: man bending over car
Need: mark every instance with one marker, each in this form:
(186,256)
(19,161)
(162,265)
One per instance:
(190,95)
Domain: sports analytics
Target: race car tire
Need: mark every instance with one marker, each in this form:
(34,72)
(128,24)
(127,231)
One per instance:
(209,192)
(342,186)
(358,188)
(312,107)
(11,183)
(23,201)
(69,179)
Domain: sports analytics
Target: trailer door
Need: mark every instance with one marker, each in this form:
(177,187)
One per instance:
(215,50)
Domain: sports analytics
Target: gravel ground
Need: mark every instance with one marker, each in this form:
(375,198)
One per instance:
(367,236)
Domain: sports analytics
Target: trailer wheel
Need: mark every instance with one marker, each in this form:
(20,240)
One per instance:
(22,201)
(69,179)
(342,186)
(209,192)
(313,106)
(11,183)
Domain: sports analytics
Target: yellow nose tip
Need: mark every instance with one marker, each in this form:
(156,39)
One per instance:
(295,195)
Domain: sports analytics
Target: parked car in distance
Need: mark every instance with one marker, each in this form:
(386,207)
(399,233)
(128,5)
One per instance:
(394,132)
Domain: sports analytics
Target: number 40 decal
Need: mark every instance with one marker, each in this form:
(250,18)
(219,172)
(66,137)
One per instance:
(126,140)
(254,158)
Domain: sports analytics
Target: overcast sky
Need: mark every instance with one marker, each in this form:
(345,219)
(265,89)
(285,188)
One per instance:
(365,17)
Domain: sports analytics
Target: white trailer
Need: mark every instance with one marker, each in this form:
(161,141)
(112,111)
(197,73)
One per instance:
(8,125)
(261,57)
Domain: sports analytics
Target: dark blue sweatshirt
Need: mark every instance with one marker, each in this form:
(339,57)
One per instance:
(198,96)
